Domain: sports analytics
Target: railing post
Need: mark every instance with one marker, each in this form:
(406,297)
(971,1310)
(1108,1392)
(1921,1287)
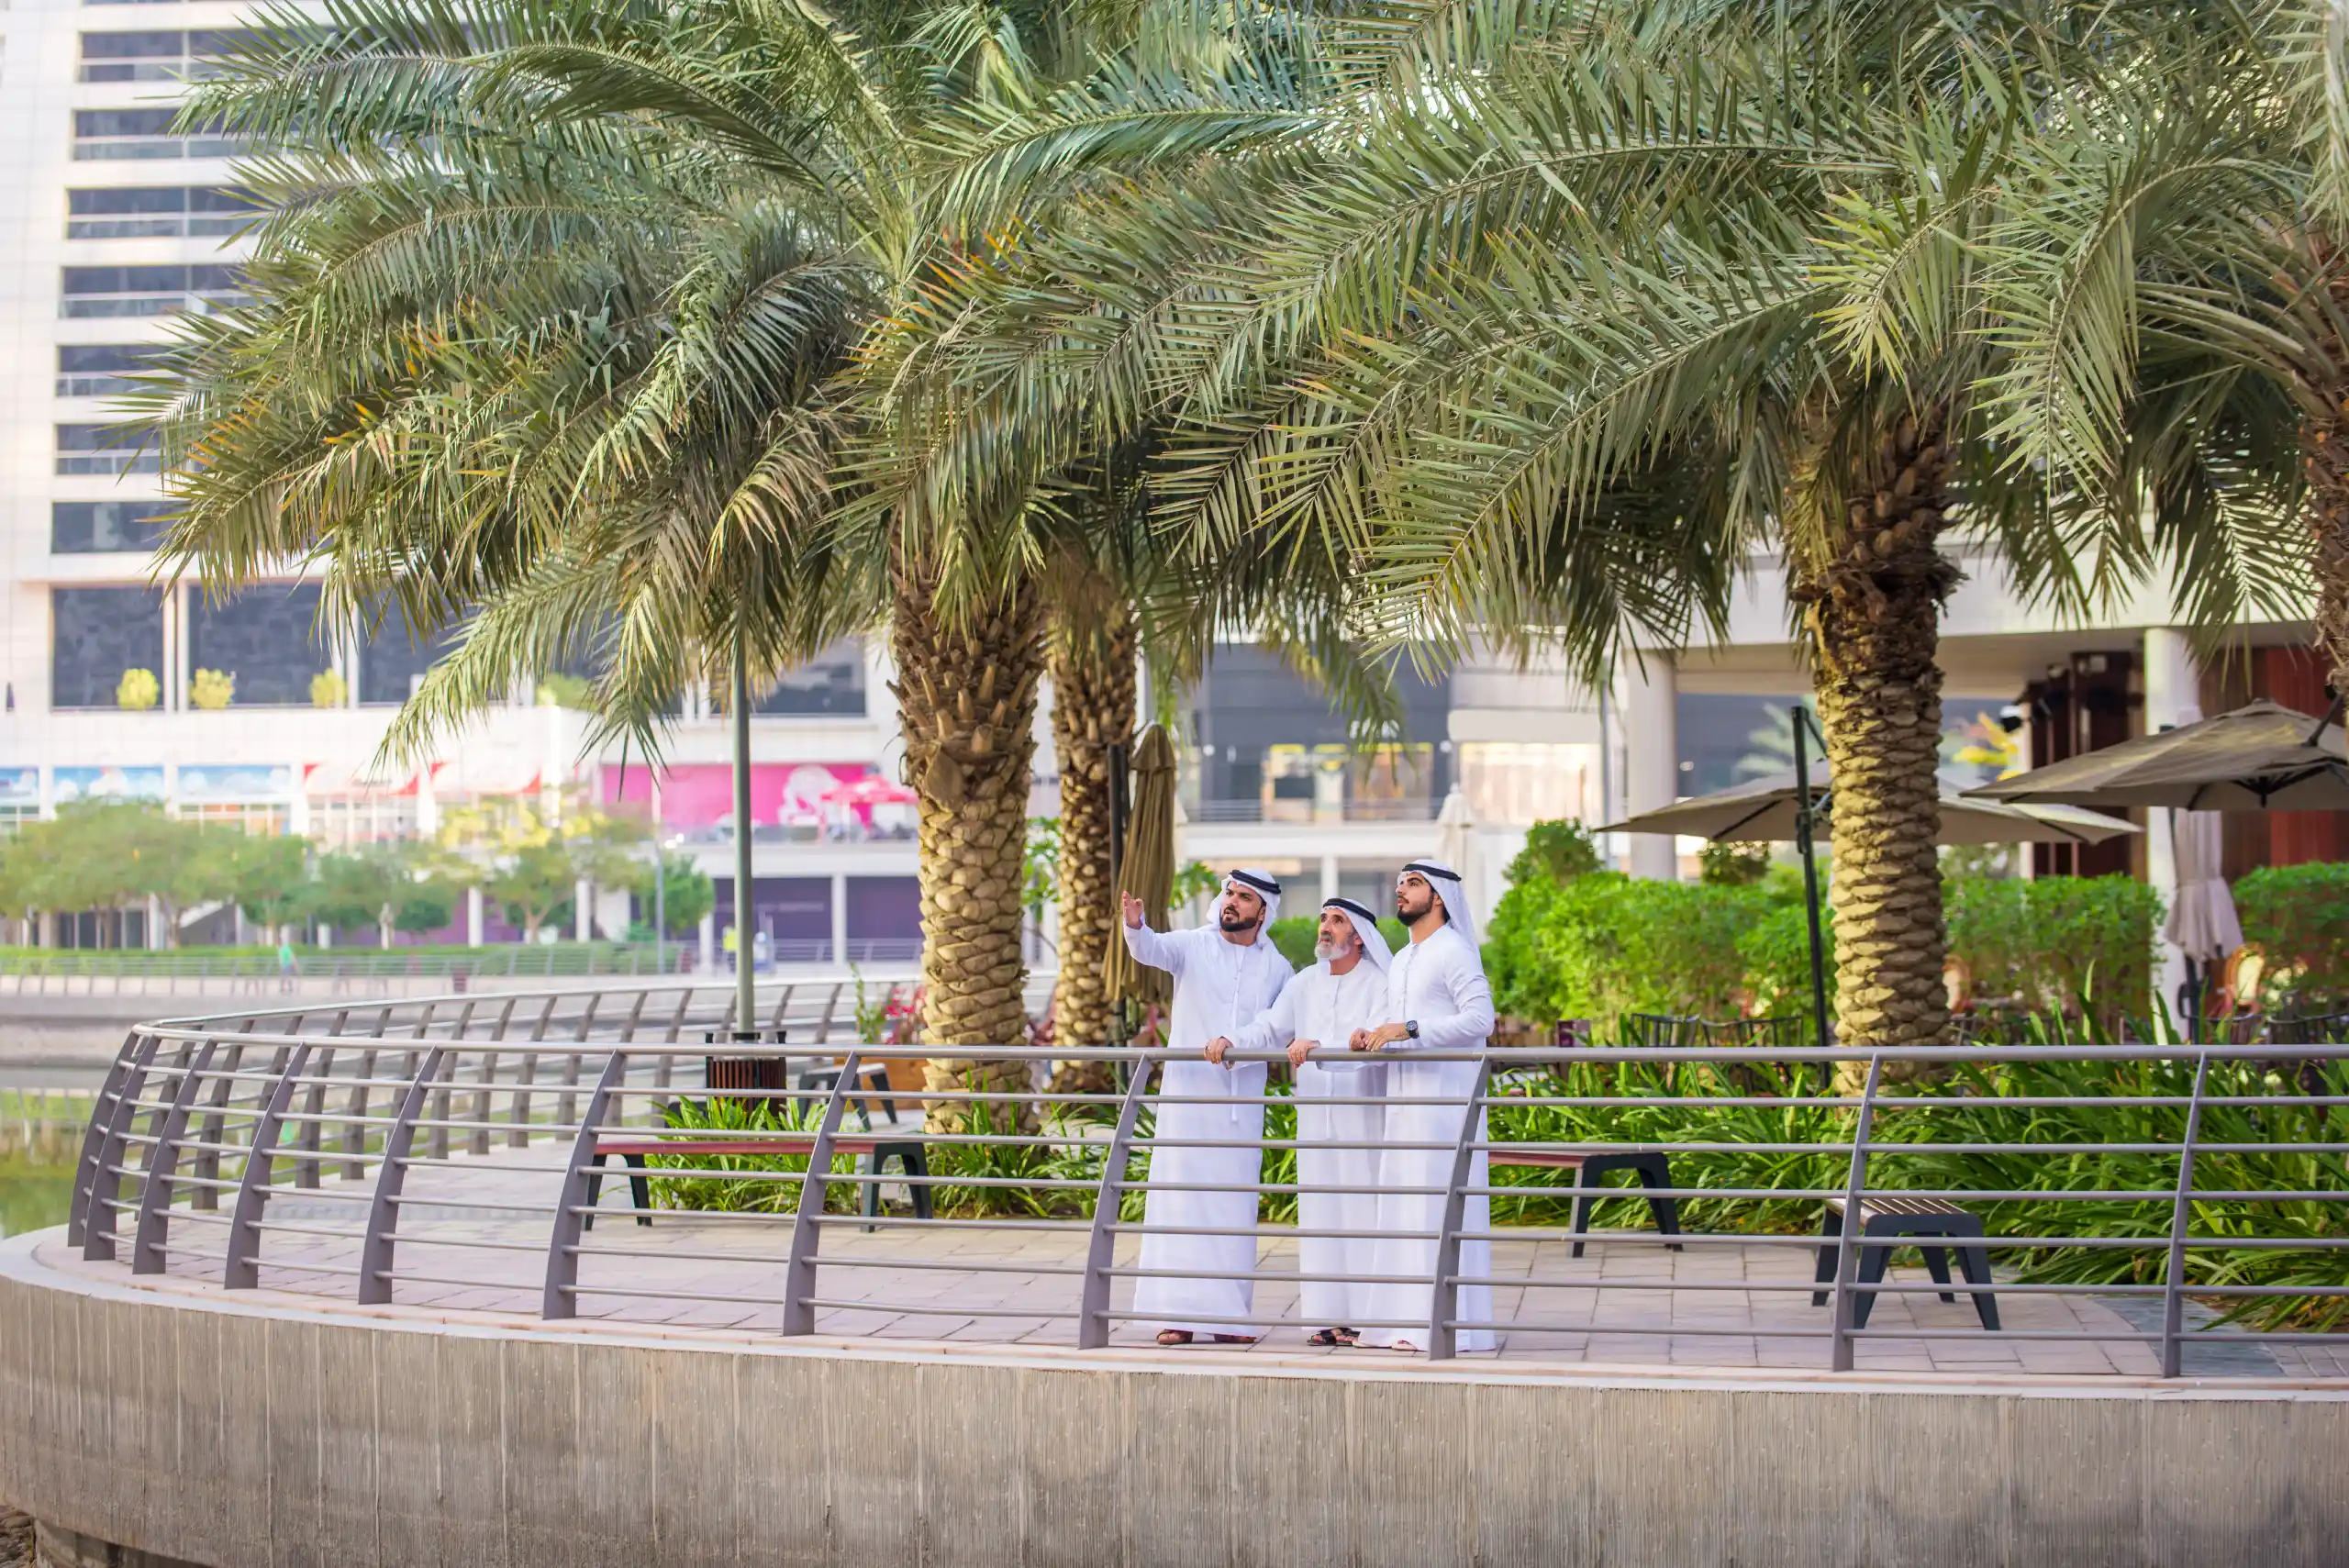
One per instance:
(488,1078)
(1101,1252)
(215,1125)
(561,1300)
(444,1097)
(383,1213)
(2181,1212)
(1443,1339)
(1838,1350)
(799,1271)
(241,1270)
(104,1185)
(162,1166)
(94,1137)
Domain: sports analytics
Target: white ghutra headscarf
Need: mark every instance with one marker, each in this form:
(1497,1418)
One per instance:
(1264,885)
(1365,924)
(1451,889)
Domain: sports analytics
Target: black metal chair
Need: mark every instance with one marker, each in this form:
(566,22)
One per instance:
(1889,1214)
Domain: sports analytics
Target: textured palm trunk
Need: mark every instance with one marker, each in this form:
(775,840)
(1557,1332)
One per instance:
(2324,439)
(1875,614)
(966,697)
(1092,663)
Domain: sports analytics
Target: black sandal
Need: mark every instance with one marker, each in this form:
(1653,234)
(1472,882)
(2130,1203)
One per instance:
(1331,1338)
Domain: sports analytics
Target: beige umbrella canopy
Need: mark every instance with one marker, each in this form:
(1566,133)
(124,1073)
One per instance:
(2261,757)
(1145,867)
(1763,812)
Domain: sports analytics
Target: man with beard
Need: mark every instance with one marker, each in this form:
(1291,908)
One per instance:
(1437,1000)
(1210,1115)
(1338,1112)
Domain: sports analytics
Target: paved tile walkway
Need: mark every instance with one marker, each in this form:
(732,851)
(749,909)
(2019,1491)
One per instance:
(475,1237)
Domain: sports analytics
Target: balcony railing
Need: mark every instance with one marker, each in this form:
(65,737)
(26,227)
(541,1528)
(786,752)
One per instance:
(1309,811)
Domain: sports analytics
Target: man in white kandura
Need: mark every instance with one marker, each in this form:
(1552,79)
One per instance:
(1340,1113)
(1225,973)
(1437,999)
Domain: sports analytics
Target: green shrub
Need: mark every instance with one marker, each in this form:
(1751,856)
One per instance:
(1777,952)
(2066,946)
(1733,865)
(1607,944)
(1296,935)
(1559,851)
(2299,917)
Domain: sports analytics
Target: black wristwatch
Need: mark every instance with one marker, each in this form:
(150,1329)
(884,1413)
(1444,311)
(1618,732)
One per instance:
(1411,1028)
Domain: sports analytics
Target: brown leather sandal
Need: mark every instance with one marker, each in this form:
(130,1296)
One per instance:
(1174,1336)
(1234,1339)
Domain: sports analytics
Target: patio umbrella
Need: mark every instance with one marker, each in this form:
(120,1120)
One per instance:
(1763,812)
(2260,757)
(1146,868)
(2203,924)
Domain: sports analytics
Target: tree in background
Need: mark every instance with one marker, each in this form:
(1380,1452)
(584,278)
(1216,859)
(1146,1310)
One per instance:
(689,894)
(268,878)
(531,858)
(115,856)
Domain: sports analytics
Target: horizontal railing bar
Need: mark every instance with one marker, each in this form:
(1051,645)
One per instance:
(823,1303)
(295,1227)
(483,1243)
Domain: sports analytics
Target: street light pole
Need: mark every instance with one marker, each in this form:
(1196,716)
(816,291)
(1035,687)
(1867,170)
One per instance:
(746,1002)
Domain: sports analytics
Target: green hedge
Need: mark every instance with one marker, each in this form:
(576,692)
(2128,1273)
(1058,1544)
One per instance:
(2058,945)
(2299,917)
(1295,937)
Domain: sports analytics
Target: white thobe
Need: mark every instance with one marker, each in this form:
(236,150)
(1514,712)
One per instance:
(1337,1143)
(1440,985)
(1219,987)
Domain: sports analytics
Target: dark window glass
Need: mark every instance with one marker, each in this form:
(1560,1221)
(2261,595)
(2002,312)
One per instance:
(106,448)
(84,527)
(95,635)
(123,122)
(832,682)
(125,280)
(884,919)
(101,357)
(129,198)
(131,46)
(215,280)
(266,637)
(392,661)
(221,198)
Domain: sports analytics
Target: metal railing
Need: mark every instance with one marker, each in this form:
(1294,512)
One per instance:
(140,973)
(2152,1209)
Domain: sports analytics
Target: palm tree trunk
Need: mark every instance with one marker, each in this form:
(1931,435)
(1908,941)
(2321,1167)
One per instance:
(2324,441)
(966,697)
(1875,620)
(1091,663)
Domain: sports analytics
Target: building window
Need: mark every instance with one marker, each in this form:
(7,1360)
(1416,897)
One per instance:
(884,919)
(156,212)
(149,290)
(260,818)
(95,528)
(155,56)
(95,635)
(831,684)
(1518,783)
(145,133)
(393,661)
(99,370)
(265,640)
(105,449)
(791,918)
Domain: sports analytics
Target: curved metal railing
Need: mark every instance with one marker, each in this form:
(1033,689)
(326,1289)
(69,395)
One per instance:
(2151,1209)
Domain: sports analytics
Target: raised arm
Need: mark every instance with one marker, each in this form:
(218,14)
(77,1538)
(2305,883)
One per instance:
(1159,950)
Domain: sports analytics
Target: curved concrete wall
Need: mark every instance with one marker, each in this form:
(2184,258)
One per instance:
(239,1433)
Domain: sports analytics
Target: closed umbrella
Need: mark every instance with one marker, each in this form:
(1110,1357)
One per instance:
(1145,869)
(2202,923)
(1455,840)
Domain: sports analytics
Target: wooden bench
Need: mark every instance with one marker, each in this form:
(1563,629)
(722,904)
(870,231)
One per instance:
(873,1150)
(1655,1170)
(1888,1214)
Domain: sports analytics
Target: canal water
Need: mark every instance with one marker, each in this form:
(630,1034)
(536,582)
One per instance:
(40,1135)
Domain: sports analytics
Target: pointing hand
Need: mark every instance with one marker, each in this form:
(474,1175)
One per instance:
(1132,908)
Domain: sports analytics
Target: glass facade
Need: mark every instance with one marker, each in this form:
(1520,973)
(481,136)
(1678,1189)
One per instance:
(831,683)
(95,634)
(266,637)
(95,528)
(156,212)
(392,662)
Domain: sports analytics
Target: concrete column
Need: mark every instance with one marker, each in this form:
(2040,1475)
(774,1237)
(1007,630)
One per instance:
(840,917)
(707,939)
(582,909)
(472,917)
(1328,878)
(2172,696)
(1651,742)
(155,932)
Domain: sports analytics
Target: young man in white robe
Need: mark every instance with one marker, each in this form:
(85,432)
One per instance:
(1210,1123)
(1438,999)
(1341,1113)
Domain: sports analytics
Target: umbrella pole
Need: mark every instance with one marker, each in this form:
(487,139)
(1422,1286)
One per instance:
(1806,823)
(1122,811)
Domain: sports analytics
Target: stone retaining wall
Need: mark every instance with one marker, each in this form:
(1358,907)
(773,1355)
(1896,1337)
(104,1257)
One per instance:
(237,1433)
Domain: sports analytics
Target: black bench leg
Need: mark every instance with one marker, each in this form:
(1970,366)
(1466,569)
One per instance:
(918,1164)
(871,1165)
(1873,1262)
(1656,1172)
(595,1190)
(1975,1261)
(1584,1179)
(1937,1265)
(639,1190)
(1830,1231)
